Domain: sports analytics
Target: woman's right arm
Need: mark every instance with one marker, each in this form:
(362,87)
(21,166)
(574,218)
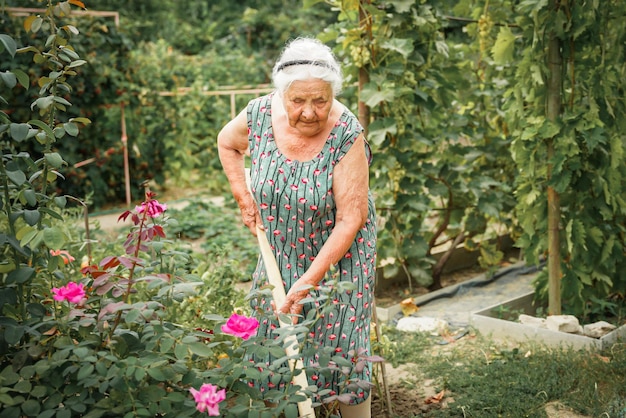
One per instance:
(232,147)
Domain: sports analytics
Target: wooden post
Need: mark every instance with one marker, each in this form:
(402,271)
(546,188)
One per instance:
(553,111)
(364,77)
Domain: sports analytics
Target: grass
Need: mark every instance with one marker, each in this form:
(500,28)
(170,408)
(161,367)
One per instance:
(490,379)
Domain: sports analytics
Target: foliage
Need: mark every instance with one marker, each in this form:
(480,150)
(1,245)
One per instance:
(458,109)
(95,163)
(219,230)
(31,212)
(586,169)
(442,172)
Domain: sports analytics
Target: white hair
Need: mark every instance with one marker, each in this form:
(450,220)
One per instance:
(305,59)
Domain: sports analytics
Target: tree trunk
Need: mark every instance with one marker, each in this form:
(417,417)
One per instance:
(364,77)
(553,112)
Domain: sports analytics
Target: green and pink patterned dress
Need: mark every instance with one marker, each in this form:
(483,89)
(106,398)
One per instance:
(297,207)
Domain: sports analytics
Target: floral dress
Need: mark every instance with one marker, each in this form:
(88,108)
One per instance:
(297,207)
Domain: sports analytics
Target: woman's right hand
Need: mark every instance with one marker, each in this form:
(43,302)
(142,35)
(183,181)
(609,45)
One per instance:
(250,214)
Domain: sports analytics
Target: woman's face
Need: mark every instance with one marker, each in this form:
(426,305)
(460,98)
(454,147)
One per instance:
(308,105)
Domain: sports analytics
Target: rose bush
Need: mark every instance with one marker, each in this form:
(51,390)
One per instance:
(114,347)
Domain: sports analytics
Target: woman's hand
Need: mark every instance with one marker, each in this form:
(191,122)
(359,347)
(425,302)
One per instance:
(292,305)
(250,214)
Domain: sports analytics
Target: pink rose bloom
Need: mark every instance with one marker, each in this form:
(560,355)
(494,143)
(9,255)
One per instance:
(208,398)
(66,256)
(240,326)
(152,207)
(71,292)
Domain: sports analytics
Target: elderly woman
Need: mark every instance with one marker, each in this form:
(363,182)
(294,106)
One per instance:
(310,192)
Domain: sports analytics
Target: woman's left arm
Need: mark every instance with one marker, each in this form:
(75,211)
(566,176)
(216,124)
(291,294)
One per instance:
(350,189)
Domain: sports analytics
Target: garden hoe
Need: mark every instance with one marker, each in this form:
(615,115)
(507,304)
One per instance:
(305,408)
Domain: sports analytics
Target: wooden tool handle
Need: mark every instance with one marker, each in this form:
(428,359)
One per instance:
(305,408)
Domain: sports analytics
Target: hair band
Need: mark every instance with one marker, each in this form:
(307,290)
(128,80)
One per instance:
(304,62)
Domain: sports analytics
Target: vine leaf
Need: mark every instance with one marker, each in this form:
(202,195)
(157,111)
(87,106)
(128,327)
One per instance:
(503,47)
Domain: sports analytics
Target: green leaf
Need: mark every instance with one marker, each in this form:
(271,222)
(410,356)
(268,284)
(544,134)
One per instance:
(84,121)
(200,349)
(60,201)
(140,373)
(132,315)
(23,386)
(8,377)
(64,413)
(70,53)
(21,275)
(166,344)
(85,372)
(502,50)
(6,399)
(16,177)
(61,100)
(379,129)
(181,351)
(71,128)
(19,131)
(8,43)
(403,46)
(32,216)
(309,3)
(156,374)
(55,215)
(9,79)
(22,78)
(54,238)
(214,317)
(372,97)
(39,392)
(13,334)
(41,125)
(31,408)
(77,63)
(59,132)
(31,197)
(54,159)
(402,6)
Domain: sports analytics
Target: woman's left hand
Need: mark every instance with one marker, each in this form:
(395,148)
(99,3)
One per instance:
(292,305)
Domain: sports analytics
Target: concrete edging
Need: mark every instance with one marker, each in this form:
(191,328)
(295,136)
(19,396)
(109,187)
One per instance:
(486,323)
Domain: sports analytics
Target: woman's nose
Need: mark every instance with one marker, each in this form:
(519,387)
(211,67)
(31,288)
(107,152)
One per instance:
(308,111)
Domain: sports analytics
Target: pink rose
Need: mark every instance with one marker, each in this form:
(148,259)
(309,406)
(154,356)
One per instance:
(71,292)
(152,207)
(240,326)
(208,398)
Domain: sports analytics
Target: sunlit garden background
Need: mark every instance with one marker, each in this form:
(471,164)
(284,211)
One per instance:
(488,119)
